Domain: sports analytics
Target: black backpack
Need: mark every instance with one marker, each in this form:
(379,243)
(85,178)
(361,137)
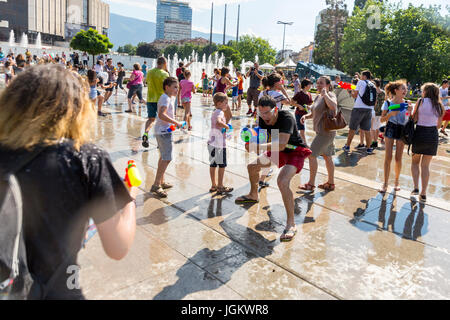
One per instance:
(409,130)
(370,94)
(16,281)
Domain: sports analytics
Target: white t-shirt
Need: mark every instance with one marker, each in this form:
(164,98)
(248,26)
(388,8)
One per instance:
(444,93)
(361,88)
(279,97)
(217,138)
(98,68)
(169,102)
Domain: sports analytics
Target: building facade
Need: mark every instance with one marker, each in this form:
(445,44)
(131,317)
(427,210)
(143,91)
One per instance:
(55,20)
(173,20)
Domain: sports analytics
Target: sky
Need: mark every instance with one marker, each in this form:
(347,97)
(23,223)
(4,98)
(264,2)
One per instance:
(258,17)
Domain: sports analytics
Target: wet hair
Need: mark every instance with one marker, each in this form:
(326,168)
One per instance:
(367,74)
(431,91)
(47,103)
(187,73)
(392,86)
(224,71)
(267,101)
(271,79)
(305,83)
(169,82)
(219,97)
(377,82)
(444,82)
(296,75)
(161,61)
(92,75)
(137,66)
(181,64)
(327,81)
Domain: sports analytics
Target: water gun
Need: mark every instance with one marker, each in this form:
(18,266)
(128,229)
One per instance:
(399,107)
(346,86)
(132,176)
(230,128)
(172,128)
(253,135)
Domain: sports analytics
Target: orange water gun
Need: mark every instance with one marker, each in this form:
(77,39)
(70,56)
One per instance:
(346,86)
(132,175)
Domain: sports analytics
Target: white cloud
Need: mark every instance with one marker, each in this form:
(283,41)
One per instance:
(203,5)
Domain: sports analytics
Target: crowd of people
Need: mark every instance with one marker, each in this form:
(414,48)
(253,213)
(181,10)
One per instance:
(57,99)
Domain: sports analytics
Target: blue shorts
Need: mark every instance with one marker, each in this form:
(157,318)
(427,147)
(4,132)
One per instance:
(152,109)
(300,126)
(240,92)
(164,141)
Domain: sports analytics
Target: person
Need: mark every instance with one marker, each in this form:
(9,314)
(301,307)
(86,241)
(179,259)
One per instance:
(224,83)
(217,142)
(301,101)
(99,66)
(144,71)
(296,83)
(273,85)
(285,149)
(94,94)
(155,80)
(376,114)
(186,91)
(67,179)
(361,116)
(9,72)
(240,77)
(204,74)
(428,114)
(165,118)
(323,143)
(85,59)
(180,72)
(111,70)
(396,121)
(336,81)
(136,80)
(205,84)
(445,102)
(2,55)
(120,76)
(253,92)
(235,96)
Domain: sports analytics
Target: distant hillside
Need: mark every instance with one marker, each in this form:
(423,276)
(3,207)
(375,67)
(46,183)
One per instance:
(125,30)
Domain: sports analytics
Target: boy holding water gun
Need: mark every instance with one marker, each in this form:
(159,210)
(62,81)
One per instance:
(217,142)
(163,133)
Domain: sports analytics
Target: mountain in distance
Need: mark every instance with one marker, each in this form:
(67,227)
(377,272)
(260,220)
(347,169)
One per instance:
(126,30)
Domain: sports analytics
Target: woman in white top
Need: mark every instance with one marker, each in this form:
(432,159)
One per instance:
(274,84)
(428,114)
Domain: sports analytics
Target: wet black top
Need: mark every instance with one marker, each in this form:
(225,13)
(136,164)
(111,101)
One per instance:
(285,124)
(61,190)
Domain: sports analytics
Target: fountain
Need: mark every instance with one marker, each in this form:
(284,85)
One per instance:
(12,39)
(38,41)
(24,41)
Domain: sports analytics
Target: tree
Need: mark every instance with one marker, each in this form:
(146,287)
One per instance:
(230,54)
(128,49)
(171,50)
(91,42)
(147,50)
(250,46)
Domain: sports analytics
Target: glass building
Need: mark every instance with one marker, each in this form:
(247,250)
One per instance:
(173,20)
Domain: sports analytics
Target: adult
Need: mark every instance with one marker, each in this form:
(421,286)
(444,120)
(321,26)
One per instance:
(323,143)
(253,92)
(361,116)
(155,80)
(111,70)
(443,90)
(66,179)
(99,66)
(180,72)
(376,114)
(224,83)
(428,114)
(396,121)
(136,86)
(285,149)
(301,101)
(85,59)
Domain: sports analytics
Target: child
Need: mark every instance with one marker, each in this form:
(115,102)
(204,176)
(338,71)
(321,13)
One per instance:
(165,118)
(205,84)
(94,94)
(235,96)
(187,88)
(217,142)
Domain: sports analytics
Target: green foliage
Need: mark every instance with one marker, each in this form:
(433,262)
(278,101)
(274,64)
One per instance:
(147,50)
(231,54)
(411,43)
(91,42)
(128,49)
(249,46)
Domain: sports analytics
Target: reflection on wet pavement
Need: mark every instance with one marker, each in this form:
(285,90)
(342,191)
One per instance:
(353,243)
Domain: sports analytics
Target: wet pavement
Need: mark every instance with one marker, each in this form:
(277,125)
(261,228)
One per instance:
(352,243)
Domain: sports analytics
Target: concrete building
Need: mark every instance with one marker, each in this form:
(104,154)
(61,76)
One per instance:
(55,20)
(173,20)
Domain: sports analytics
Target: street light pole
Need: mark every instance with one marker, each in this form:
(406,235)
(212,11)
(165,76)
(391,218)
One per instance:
(284,31)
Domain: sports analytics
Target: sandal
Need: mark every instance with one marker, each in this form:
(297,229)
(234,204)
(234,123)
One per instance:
(166,185)
(245,200)
(222,190)
(423,198)
(128,111)
(263,184)
(383,189)
(307,187)
(159,191)
(288,234)
(415,192)
(327,186)
(213,189)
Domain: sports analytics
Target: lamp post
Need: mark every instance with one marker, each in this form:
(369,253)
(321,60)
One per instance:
(284,32)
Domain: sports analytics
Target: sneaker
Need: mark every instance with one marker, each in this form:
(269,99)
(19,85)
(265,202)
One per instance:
(369,151)
(361,146)
(346,148)
(249,112)
(374,145)
(270,172)
(254,114)
(101,114)
(415,192)
(145,143)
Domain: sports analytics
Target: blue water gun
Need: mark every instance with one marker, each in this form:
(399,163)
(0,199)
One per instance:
(253,135)
(230,128)
(172,128)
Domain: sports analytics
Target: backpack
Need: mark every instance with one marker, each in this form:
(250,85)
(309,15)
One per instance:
(409,130)
(16,281)
(370,94)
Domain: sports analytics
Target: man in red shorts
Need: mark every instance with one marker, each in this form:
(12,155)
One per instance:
(285,149)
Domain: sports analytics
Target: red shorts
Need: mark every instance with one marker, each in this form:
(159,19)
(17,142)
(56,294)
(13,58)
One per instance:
(295,158)
(446,116)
